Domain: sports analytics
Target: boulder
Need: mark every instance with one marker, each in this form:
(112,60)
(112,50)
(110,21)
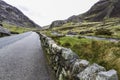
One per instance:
(79,66)
(4,31)
(90,72)
(68,54)
(109,75)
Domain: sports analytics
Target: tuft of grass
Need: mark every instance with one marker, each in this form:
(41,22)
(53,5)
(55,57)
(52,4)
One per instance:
(103,31)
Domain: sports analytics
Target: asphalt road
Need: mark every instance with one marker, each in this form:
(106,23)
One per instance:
(22,58)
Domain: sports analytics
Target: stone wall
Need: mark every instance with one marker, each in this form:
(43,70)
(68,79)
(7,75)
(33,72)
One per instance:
(68,66)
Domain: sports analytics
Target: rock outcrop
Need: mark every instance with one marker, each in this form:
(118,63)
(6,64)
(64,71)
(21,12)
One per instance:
(4,32)
(74,18)
(12,15)
(57,23)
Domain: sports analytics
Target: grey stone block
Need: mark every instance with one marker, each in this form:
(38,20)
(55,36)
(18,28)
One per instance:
(109,75)
(90,72)
(79,66)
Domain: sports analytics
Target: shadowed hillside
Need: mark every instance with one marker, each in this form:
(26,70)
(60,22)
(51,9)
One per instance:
(12,15)
(103,9)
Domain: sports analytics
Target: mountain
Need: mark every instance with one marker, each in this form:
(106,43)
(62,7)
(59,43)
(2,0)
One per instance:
(12,15)
(58,23)
(101,10)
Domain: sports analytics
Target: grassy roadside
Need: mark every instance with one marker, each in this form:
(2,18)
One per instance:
(16,29)
(104,53)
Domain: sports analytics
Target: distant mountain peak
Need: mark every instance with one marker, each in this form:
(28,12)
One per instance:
(12,15)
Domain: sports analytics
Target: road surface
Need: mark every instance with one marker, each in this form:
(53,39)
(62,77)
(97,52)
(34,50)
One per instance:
(22,58)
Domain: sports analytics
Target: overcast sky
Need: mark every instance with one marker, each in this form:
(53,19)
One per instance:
(43,12)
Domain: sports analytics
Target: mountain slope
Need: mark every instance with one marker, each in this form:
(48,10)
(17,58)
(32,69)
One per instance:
(103,9)
(58,23)
(12,15)
(100,11)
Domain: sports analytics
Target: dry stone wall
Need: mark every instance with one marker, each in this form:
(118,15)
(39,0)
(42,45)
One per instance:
(68,66)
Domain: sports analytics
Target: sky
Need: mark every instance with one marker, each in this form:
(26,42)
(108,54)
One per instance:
(43,12)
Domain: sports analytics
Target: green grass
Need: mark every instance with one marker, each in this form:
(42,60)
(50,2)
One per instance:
(16,29)
(112,24)
(104,53)
(72,41)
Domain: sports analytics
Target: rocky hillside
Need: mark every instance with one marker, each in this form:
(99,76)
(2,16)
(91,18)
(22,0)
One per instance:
(103,9)
(58,23)
(12,15)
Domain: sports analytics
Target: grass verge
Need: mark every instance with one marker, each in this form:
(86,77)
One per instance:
(104,53)
(16,29)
